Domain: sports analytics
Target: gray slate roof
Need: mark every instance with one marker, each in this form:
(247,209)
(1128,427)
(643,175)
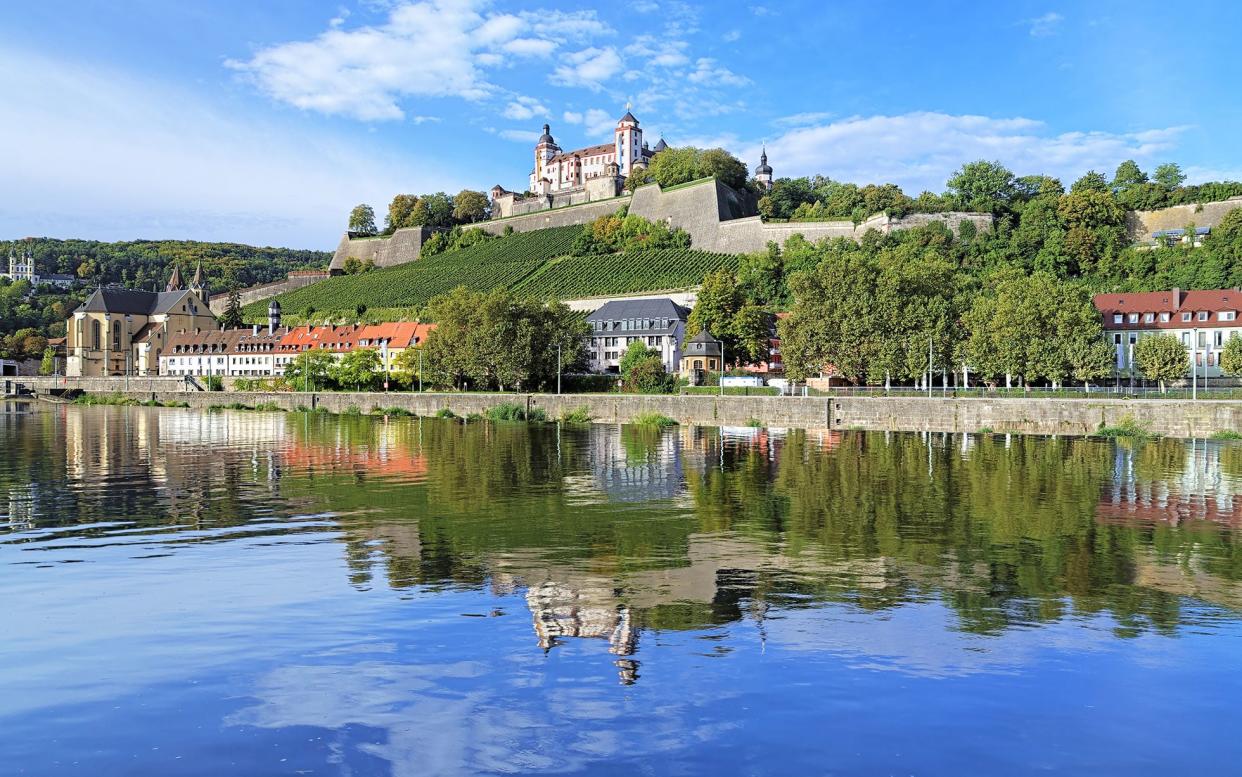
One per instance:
(619,309)
(132,301)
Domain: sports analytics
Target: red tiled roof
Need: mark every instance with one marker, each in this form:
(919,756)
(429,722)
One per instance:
(1174,302)
(339,339)
(602,148)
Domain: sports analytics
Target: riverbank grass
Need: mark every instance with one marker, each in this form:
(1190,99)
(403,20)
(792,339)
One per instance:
(658,420)
(1128,428)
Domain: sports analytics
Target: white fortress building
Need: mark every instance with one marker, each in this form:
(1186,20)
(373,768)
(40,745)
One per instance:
(557,170)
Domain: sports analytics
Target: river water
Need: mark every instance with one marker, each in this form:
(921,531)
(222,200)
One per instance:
(189,593)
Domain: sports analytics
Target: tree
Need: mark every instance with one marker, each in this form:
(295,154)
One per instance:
(470,206)
(1091,181)
(362,220)
(982,186)
(400,213)
(232,316)
(752,328)
(647,376)
(724,167)
(674,166)
(715,308)
(358,370)
(433,210)
(1169,176)
(48,365)
(1161,357)
(310,370)
(1128,176)
(634,353)
(1231,357)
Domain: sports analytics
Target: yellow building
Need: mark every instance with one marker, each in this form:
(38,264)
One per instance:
(123,332)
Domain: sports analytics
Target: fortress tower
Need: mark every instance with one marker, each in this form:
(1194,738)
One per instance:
(763,173)
(629,142)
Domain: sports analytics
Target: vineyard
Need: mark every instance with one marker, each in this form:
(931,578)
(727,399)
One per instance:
(593,276)
(536,263)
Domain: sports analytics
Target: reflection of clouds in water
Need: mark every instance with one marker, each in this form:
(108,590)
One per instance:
(466,717)
(940,650)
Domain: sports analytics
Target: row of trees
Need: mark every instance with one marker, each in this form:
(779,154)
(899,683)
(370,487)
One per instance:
(427,210)
(622,231)
(674,166)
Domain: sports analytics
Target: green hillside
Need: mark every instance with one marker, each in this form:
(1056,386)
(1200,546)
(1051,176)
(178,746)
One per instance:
(536,263)
(591,276)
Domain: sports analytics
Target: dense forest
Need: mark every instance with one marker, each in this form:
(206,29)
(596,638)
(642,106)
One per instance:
(139,264)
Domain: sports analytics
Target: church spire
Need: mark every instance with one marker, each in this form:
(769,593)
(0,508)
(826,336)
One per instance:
(175,283)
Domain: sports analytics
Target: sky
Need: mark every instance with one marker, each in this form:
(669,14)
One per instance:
(264,123)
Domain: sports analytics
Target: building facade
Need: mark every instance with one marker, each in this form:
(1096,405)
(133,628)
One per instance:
(1202,320)
(125,332)
(557,170)
(22,268)
(657,323)
(703,354)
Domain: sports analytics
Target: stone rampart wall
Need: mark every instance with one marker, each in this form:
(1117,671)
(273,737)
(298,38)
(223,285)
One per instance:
(1141,223)
(266,291)
(400,247)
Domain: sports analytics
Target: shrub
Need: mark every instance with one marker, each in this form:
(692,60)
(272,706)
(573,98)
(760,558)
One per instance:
(392,411)
(654,419)
(214,383)
(506,411)
(444,412)
(1226,434)
(1128,428)
(269,407)
(352,410)
(754,423)
(579,415)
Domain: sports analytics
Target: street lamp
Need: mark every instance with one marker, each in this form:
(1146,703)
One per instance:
(1194,357)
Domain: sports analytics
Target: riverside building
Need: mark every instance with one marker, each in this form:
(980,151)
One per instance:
(1202,320)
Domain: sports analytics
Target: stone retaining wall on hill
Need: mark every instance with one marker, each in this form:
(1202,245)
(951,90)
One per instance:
(220,302)
(1141,223)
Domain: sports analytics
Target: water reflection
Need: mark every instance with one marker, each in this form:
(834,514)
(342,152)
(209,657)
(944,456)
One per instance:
(479,560)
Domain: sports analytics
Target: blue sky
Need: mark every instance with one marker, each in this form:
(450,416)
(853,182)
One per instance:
(265,122)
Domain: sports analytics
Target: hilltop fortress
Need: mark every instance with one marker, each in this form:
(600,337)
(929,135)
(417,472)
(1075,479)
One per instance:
(568,188)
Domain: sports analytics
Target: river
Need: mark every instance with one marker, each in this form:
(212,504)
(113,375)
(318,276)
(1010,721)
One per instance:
(207,593)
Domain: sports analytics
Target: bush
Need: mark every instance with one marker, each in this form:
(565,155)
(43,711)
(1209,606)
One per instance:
(214,383)
(1128,428)
(654,419)
(647,376)
(537,415)
(506,411)
(1226,434)
(392,411)
(579,415)
(444,412)
(352,410)
(269,407)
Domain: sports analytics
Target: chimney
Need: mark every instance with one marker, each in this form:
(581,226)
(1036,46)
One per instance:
(1177,298)
(254,330)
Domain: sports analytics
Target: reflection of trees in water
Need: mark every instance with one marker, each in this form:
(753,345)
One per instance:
(1004,530)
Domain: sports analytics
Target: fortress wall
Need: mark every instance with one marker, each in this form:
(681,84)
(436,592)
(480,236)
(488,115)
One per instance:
(266,291)
(546,219)
(402,246)
(1141,223)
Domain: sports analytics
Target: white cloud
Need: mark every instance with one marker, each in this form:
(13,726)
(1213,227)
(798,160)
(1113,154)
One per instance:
(762,10)
(921,150)
(573,25)
(802,119)
(521,136)
(662,51)
(424,119)
(530,47)
(731,36)
(595,122)
(1043,26)
(103,157)
(423,50)
(708,72)
(589,67)
(523,108)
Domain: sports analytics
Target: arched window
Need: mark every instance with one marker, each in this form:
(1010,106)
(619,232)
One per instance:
(116,335)
(96,335)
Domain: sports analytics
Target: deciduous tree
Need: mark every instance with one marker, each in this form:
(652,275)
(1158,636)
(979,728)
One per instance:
(1161,357)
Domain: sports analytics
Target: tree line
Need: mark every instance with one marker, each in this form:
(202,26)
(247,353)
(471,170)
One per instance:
(438,210)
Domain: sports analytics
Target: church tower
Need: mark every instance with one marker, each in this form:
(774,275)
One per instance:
(763,173)
(545,149)
(175,283)
(629,142)
(198,286)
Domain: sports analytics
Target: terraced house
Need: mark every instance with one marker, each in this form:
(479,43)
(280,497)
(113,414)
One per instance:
(1202,320)
(657,323)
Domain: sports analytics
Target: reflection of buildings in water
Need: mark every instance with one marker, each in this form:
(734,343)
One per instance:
(561,611)
(1200,491)
(635,464)
(22,501)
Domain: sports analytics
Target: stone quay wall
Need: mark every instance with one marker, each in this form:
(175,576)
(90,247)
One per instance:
(1173,418)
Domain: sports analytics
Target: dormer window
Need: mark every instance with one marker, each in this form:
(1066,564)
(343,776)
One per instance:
(1203,315)
(1227,315)
(1134,318)
(1148,318)
(1185,316)
(1164,317)
(1118,318)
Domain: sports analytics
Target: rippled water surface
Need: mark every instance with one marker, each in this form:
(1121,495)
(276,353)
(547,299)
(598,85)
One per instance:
(189,593)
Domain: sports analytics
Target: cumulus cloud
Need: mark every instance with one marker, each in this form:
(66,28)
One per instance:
(103,157)
(516,135)
(921,150)
(662,51)
(424,50)
(523,108)
(802,119)
(589,68)
(595,122)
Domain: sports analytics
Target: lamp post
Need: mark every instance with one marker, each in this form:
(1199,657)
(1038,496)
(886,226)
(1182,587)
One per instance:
(558,368)
(720,380)
(1194,357)
(420,370)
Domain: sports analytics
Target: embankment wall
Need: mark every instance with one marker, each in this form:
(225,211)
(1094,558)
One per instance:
(220,302)
(1141,223)
(1174,418)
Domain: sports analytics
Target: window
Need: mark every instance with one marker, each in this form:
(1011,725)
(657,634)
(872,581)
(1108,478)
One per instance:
(1148,318)
(116,335)
(1218,338)
(1227,315)
(1186,339)
(1117,339)
(1164,316)
(1185,316)
(1134,318)
(1203,315)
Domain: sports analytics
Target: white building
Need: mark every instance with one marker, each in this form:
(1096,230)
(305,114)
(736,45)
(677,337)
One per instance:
(1202,320)
(657,323)
(22,268)
(557,170)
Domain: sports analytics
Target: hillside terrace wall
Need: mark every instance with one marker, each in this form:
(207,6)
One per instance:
(400,247)
(1141,223)
(220,302)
